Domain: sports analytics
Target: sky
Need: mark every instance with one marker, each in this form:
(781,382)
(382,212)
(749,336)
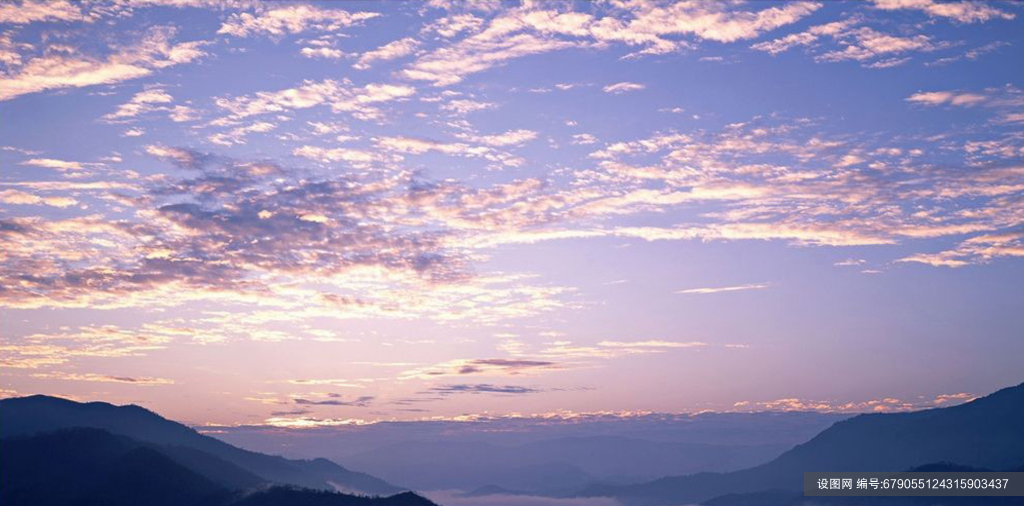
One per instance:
(319,214)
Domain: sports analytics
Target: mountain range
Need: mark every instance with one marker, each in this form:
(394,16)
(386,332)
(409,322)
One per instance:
(987,432)
(99,453)
(543,457)
(55,451)
(553,464)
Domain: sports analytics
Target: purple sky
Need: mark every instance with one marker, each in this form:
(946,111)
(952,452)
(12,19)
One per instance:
(312,214)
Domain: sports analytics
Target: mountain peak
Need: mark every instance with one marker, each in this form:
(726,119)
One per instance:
(51,400)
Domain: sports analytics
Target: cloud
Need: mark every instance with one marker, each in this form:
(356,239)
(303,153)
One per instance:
(17,197)
(578,355)
(31,356)
(340,229)
(464,106)
(32,11)
(389,51)
(652,27)
(418,146)
(881,405)
(450,26)
(805,38)
(1007,102)
(393,244)
(933,98)
(651,344)
(340,96)
(291,19)
(156,51)
(797,404)
(101,186)
(324,128)
(105,378)
(322,52)
(795,234)
(863,44)
(361,402)
(183,158)
(954,398)
(483,366)
(479,388)
(148,101)
(623,87)
(768,200)
(309,422)
(355,157)
(720,289)
(329,381)
(53,163)
(39,350)
(584,139)
(509,138)
(294,412)
(713,21)
(159,250)
(375,220)
(971,54)
(978,249)
(507,365)
(963,12)
(866,43)
(887,63)
(237,135)
(10,51)
(448,66)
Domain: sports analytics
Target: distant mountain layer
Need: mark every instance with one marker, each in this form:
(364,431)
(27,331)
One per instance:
(551,465)
(86,467)
(545,457)
(985,433)
(232,467)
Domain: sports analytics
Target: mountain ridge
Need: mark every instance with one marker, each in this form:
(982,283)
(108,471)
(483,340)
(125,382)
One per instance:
(84,466)
(42,413)
(987,432)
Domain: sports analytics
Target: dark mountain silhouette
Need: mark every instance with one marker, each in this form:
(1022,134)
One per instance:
(773,497)
(39,413)
(984,433)
(279,496)
(92,467)
(220,471)
(948,467)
